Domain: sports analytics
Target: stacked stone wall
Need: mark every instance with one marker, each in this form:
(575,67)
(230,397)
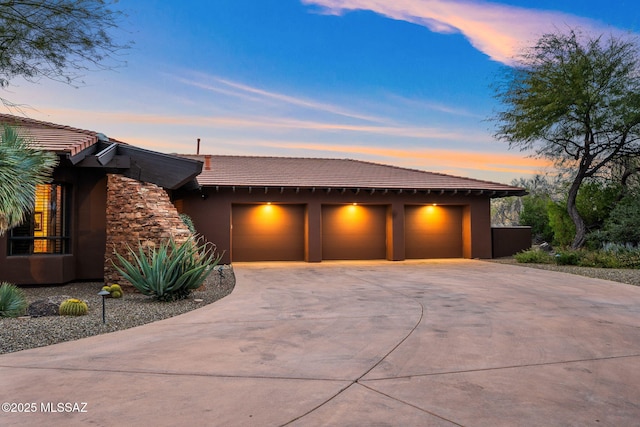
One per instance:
(138,213)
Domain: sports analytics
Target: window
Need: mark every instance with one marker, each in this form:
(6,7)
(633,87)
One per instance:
(46,229)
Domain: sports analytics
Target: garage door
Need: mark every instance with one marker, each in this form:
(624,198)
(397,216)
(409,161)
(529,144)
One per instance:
(353,232)
(433,232)
(268,232)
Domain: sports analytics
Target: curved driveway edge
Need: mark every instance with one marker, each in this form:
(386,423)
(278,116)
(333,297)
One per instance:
(415,343)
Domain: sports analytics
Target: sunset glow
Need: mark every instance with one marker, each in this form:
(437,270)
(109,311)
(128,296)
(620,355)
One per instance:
(403,82)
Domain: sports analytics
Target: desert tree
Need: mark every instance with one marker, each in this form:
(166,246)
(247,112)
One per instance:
(57,39)
(573,99)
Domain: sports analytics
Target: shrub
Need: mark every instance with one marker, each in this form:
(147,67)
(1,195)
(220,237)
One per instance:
(534,256)
(170,272)
(534,214)
(560,222)
(600,259)
(568,258)
(623,224)
(13,302)
(73,307)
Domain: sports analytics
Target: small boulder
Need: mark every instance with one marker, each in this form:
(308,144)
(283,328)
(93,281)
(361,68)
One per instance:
(546,247)
(46,307)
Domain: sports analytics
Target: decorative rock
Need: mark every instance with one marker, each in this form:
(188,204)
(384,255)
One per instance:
(546,247)
(46,307)
(137,213)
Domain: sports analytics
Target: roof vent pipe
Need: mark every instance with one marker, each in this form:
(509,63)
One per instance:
(207,162)
(198,148)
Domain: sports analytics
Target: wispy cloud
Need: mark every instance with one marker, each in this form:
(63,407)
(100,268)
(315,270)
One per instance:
(266,124)
(426,105)
(258,95)
(255,136)
(497,30)
(443,160)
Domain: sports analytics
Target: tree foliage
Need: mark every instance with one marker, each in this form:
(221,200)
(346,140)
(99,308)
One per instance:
(534,214)
(21,169)
(56,39)
(560,223)
(595,201)
(576,101)
(623,224)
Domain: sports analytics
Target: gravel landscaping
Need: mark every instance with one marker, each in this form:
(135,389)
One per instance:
(622,275)
(134,309)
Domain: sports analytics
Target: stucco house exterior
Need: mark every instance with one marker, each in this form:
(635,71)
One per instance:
(310,209)
(106,194)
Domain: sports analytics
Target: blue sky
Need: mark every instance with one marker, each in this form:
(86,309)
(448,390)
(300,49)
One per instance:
(403,82)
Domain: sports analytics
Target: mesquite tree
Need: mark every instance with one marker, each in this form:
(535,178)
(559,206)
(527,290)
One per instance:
(57,39)
(575,100)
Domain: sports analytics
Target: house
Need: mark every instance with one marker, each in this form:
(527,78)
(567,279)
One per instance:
(106,195)
(310,209)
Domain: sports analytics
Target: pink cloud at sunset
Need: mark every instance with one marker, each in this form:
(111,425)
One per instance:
(498,30)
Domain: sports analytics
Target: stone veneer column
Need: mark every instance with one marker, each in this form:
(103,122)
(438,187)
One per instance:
(137,213)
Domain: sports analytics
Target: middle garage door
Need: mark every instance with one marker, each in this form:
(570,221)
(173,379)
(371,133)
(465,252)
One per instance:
(352,232)
(268,232)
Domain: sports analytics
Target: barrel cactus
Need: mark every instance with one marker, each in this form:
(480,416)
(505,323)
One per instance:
(73,307)
(115,291)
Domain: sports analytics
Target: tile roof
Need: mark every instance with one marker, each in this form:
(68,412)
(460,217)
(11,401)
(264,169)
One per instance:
(256,171)
(52,137)
(85,148)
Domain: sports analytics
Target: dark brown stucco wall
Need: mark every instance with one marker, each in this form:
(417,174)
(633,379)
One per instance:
(211,213)
(85,260)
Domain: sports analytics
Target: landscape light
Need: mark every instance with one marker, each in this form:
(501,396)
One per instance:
(103,294)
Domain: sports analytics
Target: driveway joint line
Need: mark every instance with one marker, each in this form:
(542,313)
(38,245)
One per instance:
(497,368)
(181,374)
(357,380)
(410,404)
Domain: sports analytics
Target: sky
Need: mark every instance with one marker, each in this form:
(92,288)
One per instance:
(402,82)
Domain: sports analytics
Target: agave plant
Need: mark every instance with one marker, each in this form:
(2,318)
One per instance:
(13,302)
(21,169)
(171,271)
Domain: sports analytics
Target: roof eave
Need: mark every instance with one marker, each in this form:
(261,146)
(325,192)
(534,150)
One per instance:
(491,193)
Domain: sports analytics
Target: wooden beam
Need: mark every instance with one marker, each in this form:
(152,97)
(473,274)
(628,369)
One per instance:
(106,155)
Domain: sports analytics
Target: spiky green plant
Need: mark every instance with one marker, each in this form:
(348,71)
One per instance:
(171,271)
(186,219)
(21,169)
(73,307)
(13,302)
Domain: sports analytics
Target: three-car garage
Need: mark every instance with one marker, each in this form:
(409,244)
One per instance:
(311,209)
(279,232)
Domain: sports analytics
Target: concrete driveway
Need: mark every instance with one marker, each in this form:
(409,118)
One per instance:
(425,343)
